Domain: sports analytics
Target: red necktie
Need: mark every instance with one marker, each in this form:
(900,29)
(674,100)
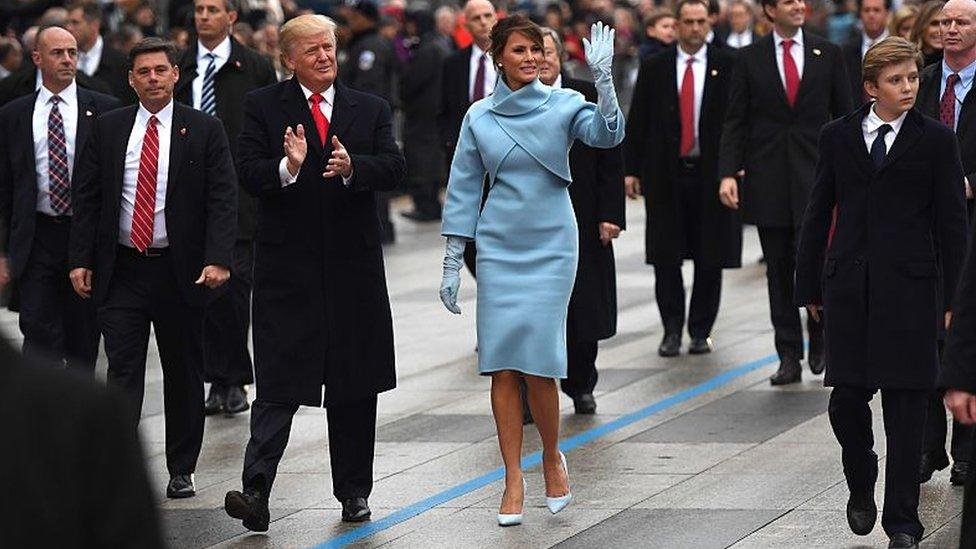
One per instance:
(321,122)
(791,73)
(687,103)
(947,108)
(144,211)
(478,92)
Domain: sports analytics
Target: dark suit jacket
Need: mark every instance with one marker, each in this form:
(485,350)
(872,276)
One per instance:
(72,466)
(597,193)
(24,81)
(852,60)
(959,360)
(455,97)
(18,177)
(879,284)
(113,71)
(928,102)
(244,71)
(776,143)
(420,96)
(321,307)
(652,149)
(201,199)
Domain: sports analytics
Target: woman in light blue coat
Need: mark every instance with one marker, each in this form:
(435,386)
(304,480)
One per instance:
(525,235)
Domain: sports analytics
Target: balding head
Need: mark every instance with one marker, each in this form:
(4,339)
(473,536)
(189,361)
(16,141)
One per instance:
(56,55)
(959,32)
(479,18)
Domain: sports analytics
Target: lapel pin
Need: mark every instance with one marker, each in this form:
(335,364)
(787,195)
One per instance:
(714,72)
(816,51)
(88,113)
(237,64)
(182,131)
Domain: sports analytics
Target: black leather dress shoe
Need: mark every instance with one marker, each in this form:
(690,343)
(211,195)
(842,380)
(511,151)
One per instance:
(817,362)
(180,486)
(355,510)
(902,541)
(959,473)
(670,345)
(789,372)
(236,401)
(862,513)
(250,507)
(215,400)
(420,216)
(929,464)
(700,346)
(585,404)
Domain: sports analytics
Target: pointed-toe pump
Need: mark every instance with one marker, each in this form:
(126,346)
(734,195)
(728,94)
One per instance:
(557,504)
(513,519)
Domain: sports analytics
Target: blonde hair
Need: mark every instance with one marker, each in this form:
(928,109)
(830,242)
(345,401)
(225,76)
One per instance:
(304,25)
(906,11)
(890,51)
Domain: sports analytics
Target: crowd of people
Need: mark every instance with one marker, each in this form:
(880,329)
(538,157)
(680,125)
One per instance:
(194,166)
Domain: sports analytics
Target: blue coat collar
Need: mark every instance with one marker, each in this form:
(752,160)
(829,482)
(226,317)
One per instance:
(529,97)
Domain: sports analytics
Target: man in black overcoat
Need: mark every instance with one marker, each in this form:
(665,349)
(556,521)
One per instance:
(873,15)
(784,88)
(672,149)
(236,71)
(315,151)
(597,194)
(957,110)
(885,229)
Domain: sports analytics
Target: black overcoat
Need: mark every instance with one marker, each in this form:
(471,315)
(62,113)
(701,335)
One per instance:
(321,307)
(777,144)
(879,283)
(597,193)
(652,151)
(420,96)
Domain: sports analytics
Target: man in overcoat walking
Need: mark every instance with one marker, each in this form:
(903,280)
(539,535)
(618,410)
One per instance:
(315,151)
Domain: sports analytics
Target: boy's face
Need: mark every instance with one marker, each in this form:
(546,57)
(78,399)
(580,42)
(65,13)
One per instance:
(896,87)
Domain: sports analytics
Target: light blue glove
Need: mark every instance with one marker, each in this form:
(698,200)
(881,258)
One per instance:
(599,56)
(451,279)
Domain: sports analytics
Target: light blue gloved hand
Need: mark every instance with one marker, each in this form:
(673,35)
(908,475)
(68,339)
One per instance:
(599,56)
(451,279)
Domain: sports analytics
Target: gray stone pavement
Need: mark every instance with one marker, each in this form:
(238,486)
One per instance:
(693,452)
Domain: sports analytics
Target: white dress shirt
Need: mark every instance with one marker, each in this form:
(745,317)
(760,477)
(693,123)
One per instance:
(867,42)
(3,72)
(740,39)
(68,107)
(130,176)
(698,70)
(796,52)
(558,84)
(88,61)
(221,55)
(490,73)
(871,123)
(326,106)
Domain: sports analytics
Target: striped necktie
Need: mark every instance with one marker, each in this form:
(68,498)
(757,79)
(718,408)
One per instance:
(208,100)
(59,179)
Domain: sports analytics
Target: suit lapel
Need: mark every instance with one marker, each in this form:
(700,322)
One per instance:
(177,142)
(188,73)
(120,146)
(343,115)
(812,68)
(768,46)
(86,117)
(855,140)
(908,135)
(712,72)
(26,124)
(672,96)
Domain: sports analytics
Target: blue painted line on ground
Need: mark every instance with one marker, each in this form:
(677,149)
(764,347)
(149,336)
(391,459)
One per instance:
(568,444)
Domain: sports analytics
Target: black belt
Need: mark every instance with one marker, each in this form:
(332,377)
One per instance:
(57,219)
(150,252)
(689,163)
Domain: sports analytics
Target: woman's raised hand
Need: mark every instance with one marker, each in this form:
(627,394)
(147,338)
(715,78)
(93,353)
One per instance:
(599,50)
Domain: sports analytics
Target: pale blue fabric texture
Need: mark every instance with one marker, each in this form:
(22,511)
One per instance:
(526,235)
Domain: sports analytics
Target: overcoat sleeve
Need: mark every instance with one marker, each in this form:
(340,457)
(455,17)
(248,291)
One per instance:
(812,244)
(950,214)
(959,361)
(385,169)
(257,166)
(736,127)
(221,199)
(462,204)
(610,186)
(635,145)
(590,127)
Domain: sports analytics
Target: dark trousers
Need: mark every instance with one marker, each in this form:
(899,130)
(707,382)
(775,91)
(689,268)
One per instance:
(227,319)
(352,438)
(669,289)
(904,424)
(143,292)
(582,374)
(59,327)
(387,231)
(779,249)
(936,432)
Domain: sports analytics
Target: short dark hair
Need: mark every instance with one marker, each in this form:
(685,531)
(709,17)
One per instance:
(860,3)
(683,3)
(512,24)
(153,45)
(91,10)
(770,3)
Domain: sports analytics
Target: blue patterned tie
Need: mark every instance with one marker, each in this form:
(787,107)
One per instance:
(878,149)
(208,101)
(59,179)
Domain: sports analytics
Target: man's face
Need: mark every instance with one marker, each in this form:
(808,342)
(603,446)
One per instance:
(84,31)
(551,64)
(896,88)
(789,14)
(957,26)
(693,26)
(479,18)
(874,17)
(56,56)
(212,20)
(740,18)
(313,60)
(153,78)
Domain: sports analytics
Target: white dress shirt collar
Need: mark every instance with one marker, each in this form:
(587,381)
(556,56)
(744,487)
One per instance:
(164,117)
(328,96)
(221,52)
(699,55)
(67,95)
(797,41)
(476,51)
(872,121)
(867,42)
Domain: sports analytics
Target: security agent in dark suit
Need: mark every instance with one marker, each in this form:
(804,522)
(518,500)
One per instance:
(42,136)
(955,107)
(96,58)
(598,202)
(672,147)
(785,88)
(873,15)
(219,90)
(155,213)
(884,230)
(315,152)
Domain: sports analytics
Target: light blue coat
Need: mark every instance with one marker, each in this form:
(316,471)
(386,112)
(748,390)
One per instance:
(526,234)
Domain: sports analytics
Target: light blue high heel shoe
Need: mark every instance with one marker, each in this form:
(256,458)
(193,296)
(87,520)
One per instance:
(557,504)
(513,519)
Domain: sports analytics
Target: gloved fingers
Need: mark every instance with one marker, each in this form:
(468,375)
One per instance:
(449,299)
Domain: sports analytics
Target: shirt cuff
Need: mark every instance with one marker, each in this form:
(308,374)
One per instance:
(284,175)
(347,181)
